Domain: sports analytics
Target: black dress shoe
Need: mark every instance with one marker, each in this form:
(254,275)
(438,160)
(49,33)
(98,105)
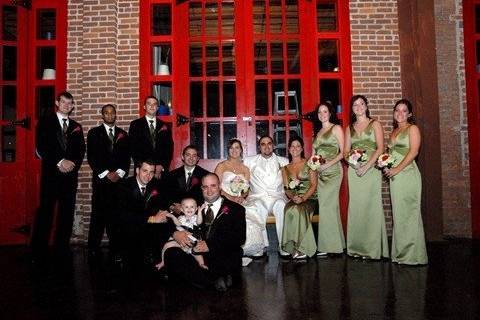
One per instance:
(220,285)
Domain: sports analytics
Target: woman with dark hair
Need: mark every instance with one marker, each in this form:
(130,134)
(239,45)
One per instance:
(366,230)
(408,240)
(329,145)
(234,182)
(300,185)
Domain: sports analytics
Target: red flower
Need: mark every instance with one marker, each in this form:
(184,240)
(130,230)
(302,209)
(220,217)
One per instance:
(77,129)
(164,128)
(385,157)
(225,210)
(120,136)
(195,181)
(153,193)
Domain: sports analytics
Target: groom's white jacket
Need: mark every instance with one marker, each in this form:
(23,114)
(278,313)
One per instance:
(266,176)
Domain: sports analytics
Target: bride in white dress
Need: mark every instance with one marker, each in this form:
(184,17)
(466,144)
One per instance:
(235,177)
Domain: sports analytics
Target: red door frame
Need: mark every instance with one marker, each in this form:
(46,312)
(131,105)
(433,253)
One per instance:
(472,77)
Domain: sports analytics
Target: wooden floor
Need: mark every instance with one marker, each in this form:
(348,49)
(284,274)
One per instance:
(325,288)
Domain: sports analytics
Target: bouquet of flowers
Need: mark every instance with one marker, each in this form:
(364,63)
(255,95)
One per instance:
(356,156)
(315,162)
(238,185)
(295,185)
(385,160)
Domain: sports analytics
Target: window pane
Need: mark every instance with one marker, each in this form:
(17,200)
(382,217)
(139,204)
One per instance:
(196,137)
(261,129)
(46,24)
(293,56)
(259,16)
(326,17)
(229,99)
(213,108)
(9,27)
(292,16)
(275,16)
(196,99)
(260,57)
(211,19)
(278,97)
(161,19)
(229,132)
(9,112)
(228,59)
(276,61)
(196,60)
(212,59)
(330,91)
(213,140)
(328,56)
(9,63)
(228,19)
(45,97)
(163,92)
(295,129)
(280,137)
(261,97)
(195,18)
(294,96)
(161,61)
(46,63)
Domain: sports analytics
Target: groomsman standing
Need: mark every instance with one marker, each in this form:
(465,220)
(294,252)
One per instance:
(108,155)
(151,138)
(61,147)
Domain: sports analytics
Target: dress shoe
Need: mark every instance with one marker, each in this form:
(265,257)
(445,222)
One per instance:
(299,256)
(220,284)
(258,255)
(322,254)
(283,254)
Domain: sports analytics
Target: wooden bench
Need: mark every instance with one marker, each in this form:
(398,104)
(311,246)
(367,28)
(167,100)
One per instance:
(271,219)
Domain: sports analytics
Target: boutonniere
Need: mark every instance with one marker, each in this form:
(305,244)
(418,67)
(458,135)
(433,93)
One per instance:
(77,129)
(120,136)
(153,193)
(225,210)
(195,181)
(163,128)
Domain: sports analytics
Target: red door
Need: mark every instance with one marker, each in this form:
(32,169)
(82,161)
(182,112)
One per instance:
(32,71)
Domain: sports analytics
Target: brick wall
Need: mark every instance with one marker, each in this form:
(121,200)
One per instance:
(453,118)
(102,66)
(376,64)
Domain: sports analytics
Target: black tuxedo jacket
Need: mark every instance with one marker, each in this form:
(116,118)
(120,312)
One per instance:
(53,145)
(177,185)
(101,156)
(142,147)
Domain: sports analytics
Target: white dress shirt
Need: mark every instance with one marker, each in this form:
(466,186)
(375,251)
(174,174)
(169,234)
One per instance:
(119,171)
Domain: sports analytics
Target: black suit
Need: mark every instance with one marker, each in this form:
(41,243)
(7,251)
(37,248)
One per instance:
(133,209)
(159,151)
(177,184)
(103,155)
(224,239)
(53,146)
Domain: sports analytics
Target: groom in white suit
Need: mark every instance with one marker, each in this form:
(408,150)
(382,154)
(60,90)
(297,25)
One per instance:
(266,187)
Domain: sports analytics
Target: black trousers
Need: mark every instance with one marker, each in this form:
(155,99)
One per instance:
(102,215)
(61,189)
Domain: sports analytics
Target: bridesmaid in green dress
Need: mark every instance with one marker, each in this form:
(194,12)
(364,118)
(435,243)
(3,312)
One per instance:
(329,144)
(408,240)
(366,231)
(298,238)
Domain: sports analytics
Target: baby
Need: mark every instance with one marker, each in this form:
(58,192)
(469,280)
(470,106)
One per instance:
(188,221)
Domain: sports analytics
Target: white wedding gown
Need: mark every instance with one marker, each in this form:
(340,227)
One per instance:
(254,237)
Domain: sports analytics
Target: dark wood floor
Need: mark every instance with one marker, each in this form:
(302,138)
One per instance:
(331,288)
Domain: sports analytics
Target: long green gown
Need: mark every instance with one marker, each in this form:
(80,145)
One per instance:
(366,231)
(297,226)
(408,240)
(330,231)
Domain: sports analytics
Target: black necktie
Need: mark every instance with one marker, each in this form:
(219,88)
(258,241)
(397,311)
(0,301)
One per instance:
(142,190)
(209,214)
(64,126)
(152,132)
(110,136)
(189,180)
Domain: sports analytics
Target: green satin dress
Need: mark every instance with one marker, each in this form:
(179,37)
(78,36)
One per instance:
(330,231)
(366,230)
(408,239)
(297,226)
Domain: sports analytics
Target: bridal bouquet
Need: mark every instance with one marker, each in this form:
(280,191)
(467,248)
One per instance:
(238,185)
(385,160)
(295,185)
(356,156)
(315,162)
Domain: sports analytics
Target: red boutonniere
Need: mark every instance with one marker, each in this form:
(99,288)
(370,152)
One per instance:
(120,136)
(195,181)
(77,129)
(225,210)
(153,193)
(164,128)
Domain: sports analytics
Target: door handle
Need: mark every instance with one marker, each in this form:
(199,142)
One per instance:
(24,123)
